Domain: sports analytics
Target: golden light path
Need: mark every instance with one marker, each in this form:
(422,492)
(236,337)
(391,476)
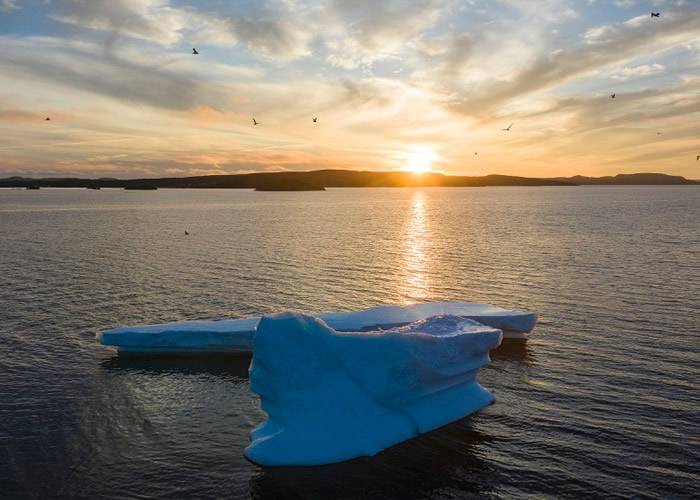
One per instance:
(416,282)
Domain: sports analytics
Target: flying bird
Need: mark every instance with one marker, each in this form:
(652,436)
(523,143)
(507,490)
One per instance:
(48,119)
(255,122)
(194,52)
(658,133)
(697,158)
(186,233)
(507,129)
(656,14)
(613,95)
(315,119)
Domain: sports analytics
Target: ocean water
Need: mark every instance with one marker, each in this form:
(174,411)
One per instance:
(604,400)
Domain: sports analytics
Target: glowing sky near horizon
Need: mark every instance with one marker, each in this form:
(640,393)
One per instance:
(414,85)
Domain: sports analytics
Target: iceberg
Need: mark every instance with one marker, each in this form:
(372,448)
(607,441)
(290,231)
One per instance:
(225,336)
(331,396)
(235,335)
(517,324)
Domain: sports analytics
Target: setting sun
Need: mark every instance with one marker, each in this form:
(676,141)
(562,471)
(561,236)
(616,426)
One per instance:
(419,161)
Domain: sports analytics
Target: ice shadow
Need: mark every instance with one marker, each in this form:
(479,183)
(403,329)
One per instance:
(515,351)
(213,364)
(449,458)
(237,364)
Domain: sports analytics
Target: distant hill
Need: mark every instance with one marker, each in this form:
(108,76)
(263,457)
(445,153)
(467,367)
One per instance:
(628,180)
(295,181)
(319,179)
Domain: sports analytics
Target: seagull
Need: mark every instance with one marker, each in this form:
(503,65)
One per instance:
(186,233)
(507,129)
(194,52)
(315,119)
(256,122)
(656,14)
(613,95)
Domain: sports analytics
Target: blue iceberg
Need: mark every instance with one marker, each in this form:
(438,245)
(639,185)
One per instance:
(332,396)
(235,335)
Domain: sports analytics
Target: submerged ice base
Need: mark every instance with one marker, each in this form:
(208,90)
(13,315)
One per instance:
(332,396)
(235,335)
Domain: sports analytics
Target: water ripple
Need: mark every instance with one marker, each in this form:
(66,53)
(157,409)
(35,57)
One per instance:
(602,401)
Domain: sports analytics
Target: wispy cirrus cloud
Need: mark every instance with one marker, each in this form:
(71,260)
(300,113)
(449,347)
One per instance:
(152,20)
(640,71)
(603,46)
(366,31)
(93,68)
(8,5)
(265,31)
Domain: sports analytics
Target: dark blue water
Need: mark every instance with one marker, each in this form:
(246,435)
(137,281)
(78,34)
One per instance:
(602,401)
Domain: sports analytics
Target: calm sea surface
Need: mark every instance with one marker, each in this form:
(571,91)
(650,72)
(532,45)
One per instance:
(604,400)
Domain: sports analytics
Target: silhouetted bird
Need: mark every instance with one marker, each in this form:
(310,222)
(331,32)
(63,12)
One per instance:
(658,133)
(48,119)
(315,119)
(656,14)
(186,233)
(475,153)
(697,158)
(507,129)
(194,52)
(613,95)
(256,122)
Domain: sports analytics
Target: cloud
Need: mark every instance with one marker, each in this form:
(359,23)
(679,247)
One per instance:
(18,115)
(274,39)
(365,31)
(102,71)
(625,3)
(152,20)
(269,31)
(8,5)
(629,72)
(447,55)
(604,46)
(642,108)
(549,11)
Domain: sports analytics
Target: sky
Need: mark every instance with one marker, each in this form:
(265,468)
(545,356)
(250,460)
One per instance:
(395,85)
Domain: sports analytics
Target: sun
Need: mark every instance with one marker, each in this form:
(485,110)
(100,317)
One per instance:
(419,160)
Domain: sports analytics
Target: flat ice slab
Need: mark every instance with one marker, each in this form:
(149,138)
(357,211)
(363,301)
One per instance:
(517,322)
(231,335)
(235,335)
(332,396)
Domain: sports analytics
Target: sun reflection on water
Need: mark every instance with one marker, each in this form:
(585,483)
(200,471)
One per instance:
(416,282)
